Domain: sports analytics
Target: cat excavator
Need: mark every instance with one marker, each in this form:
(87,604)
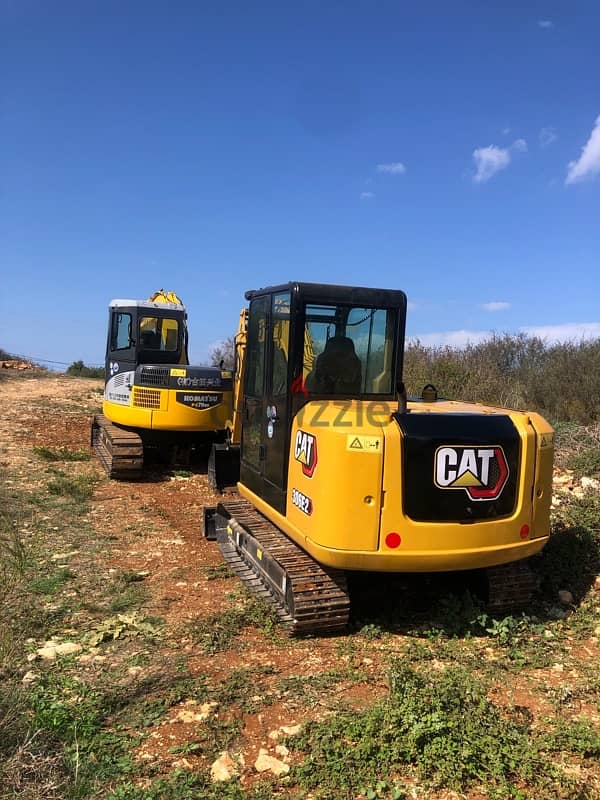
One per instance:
(336,470)
(154,400)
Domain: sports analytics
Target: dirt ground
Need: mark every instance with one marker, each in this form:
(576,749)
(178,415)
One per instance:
(152,529)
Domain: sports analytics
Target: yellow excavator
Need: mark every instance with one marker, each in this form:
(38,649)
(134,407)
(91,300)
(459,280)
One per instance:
(337,470)
(153,399)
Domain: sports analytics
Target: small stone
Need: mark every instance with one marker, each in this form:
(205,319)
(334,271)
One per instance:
(29,678)
(282,750)
(267,763)
(68,648)
(183,763)
(291,730)
(223,769)
(367,661)
(590,483)
(565,597)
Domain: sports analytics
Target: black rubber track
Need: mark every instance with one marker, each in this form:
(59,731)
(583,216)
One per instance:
(316,599)
(120,451)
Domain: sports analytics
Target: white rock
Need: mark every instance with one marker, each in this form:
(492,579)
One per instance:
(223,769)
(565,597)
(282,750)
(267,763)
(291,730)
(590,483)
(68,648)
(29,678)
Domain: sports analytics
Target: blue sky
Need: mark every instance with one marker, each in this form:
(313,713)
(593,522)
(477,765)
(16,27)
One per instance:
(448,149)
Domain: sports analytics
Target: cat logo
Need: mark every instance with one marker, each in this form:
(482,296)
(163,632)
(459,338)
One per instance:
(481,471)
(305,451)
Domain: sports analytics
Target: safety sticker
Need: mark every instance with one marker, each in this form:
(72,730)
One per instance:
(546,440)
(177,372)
(363,444)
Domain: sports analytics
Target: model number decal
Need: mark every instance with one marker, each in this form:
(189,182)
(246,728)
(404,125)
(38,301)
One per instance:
(198,401)
(302,502)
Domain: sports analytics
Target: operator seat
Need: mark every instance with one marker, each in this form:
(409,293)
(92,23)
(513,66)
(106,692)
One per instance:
(337,370)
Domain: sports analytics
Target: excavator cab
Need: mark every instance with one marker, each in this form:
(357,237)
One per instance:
(155,402)
(308,342)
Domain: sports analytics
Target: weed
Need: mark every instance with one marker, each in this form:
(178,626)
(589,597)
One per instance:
(51,583)
(218,632)
(78,488)
(442,725)
(578,736)
(241,686)
(183,785)
(61,454)
(371,631)
(217,572)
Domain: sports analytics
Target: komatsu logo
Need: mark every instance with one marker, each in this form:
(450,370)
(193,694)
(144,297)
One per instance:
(481,471)
(305,451)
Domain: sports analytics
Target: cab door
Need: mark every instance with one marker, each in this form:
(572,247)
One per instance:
(266,400)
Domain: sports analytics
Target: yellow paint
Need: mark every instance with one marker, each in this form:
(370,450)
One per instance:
(171,415)
(346,532)
(177,372)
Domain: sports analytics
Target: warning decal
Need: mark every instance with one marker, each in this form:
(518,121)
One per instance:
(363,444)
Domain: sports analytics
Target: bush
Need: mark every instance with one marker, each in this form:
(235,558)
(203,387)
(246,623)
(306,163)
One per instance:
(561,381)
(79,369)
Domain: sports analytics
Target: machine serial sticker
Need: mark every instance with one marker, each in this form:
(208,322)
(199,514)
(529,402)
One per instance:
(302,502)
(305,451)
(482,472)
(178,373)
(363,444)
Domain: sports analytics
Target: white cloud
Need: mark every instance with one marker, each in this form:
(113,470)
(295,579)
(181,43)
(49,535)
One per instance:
(545,23)
(490,160)
(506,131)
(569,331)
(451,338)
(394,168)
(367,195)
(588,163)
(497,305)
(548,135)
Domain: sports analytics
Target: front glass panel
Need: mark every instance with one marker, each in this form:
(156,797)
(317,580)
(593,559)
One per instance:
(349,350)
(159,333)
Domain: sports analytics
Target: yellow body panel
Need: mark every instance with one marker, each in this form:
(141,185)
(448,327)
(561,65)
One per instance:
(157,409)
(355,492)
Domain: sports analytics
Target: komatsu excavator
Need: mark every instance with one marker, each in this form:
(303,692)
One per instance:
(339,471)
(153,398)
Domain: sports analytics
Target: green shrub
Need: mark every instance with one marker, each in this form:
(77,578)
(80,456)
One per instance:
(79,369)
(561,381)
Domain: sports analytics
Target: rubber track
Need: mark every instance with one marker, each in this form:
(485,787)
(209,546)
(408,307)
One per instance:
(120,451)
(510,587)
(320,603)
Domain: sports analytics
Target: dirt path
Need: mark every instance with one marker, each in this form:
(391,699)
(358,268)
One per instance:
(148,533)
